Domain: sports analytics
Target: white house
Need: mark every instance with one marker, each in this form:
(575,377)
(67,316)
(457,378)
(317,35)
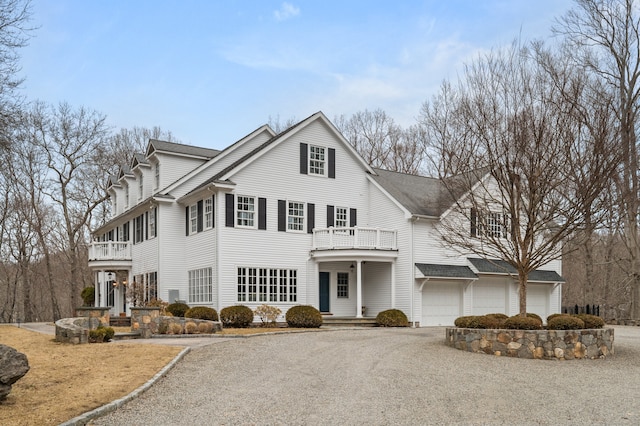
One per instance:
(294,218)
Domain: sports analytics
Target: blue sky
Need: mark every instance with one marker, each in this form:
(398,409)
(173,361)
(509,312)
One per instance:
(213,71)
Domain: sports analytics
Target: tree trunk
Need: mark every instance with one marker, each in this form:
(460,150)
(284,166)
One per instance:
(522,292)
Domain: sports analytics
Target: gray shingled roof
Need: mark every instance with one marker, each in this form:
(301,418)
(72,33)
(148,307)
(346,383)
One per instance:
(426,196)
(501,267)
(445,271)
(179,148)
(241,160)
(140,158)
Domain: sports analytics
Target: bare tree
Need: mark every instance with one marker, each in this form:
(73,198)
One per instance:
(278,125)
(604,36)
(521,206)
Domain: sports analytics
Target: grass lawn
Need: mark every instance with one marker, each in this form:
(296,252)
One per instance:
(67,380)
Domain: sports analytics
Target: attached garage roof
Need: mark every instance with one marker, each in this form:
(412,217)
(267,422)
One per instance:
(485,266)
(432,270)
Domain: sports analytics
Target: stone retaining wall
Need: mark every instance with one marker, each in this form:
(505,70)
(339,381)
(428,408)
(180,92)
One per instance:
(101,313)
(75,330)
(147,321)
(536,344)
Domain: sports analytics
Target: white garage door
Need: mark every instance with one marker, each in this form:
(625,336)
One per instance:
(538,300)
(440,303)
(489,298)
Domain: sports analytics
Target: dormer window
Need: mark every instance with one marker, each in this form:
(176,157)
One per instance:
(317,160)
(126,196)
(157,175)
(140,187)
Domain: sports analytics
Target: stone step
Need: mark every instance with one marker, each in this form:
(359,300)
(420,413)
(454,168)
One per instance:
(120,321)
(127,336)
(348,322)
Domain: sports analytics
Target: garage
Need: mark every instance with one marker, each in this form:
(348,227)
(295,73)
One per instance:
(489,297)
(538,300)
(441,302)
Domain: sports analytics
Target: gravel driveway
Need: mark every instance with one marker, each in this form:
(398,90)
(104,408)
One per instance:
(385,377)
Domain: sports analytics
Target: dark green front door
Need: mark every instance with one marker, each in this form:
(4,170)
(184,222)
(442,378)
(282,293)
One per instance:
(324,291)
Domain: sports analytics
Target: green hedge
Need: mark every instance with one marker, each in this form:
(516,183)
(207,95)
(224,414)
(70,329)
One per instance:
(303,316)
(392,318)
(237,316)
(202,312)
(177,309)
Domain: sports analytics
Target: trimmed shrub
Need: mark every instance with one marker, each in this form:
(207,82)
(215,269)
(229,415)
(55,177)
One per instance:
(477,321)
(88,296)
(552,316)
(591,321)
(190,327)
(101,334)
(500,318)
(268,315)
(177,309)
(205,327)
(163,327)
(392,318)
(175,328)
(304,316)
(517,322)
(536,316)
(565,322)
(238,316)
(202,312)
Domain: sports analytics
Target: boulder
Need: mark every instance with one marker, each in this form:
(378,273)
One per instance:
(13,365)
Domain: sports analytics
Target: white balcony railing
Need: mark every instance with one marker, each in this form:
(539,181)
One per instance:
(109,250)
(354,238)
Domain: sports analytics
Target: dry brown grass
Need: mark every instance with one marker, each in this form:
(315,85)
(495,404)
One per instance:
(67,380)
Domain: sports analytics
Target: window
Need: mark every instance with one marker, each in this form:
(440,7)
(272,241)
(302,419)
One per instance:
(157,176)
(200,285)
(126,196)
(208,213)
(245,211)
(343,285)
(317,160)
(295,216)
(115,206)
(488,224)
(267,284)
(140,187)
(193,219)
(138,235)
(151,231)
(341,217)
(151,287)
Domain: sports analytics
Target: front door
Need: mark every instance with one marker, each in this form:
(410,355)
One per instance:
(324,291)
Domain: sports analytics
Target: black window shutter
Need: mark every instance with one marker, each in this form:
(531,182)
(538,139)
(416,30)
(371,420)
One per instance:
(200,215)
(282,215)
(213,211)
(474,230)
(330,212)
(262,213)
(229,208)
(145,224)
(332,163)
(303,158)
(125,231)
(311,217)
(353,217)
(155,223)
(186,215)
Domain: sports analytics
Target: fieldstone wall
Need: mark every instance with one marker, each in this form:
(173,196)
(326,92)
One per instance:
(101,313)
(148,320)
(75,330)
(535,344)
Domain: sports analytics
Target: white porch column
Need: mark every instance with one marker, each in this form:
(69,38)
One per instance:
(359,289)
(393,284)
(97,276)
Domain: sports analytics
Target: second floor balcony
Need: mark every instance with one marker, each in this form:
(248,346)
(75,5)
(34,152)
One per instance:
(354,238)
(109,250)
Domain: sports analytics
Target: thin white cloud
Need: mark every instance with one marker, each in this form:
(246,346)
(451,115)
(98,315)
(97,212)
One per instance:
(286,11)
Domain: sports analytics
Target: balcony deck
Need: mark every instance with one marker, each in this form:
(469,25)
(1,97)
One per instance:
(109,251)
(354,238)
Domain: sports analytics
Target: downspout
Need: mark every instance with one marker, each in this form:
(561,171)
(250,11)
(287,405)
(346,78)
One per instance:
(411,272)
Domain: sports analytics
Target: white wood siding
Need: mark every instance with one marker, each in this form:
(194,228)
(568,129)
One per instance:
(376,287)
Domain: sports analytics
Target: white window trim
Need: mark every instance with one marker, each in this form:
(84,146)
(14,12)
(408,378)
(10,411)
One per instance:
(200,285)
(280,285)
(254,213)
(207,216)
(346,217)
(193,219)
(310,160)
(338,285)
(156,176)
(151,224)
(304,216)
(140,186)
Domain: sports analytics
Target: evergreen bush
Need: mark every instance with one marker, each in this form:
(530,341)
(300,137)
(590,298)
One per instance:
(591,321)
(177,309)
(303,316)
(237,316)
(518,322)
(392,318)
(565,322)
(202,312)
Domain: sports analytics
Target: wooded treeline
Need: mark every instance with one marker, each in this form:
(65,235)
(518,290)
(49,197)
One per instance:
(554,123)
